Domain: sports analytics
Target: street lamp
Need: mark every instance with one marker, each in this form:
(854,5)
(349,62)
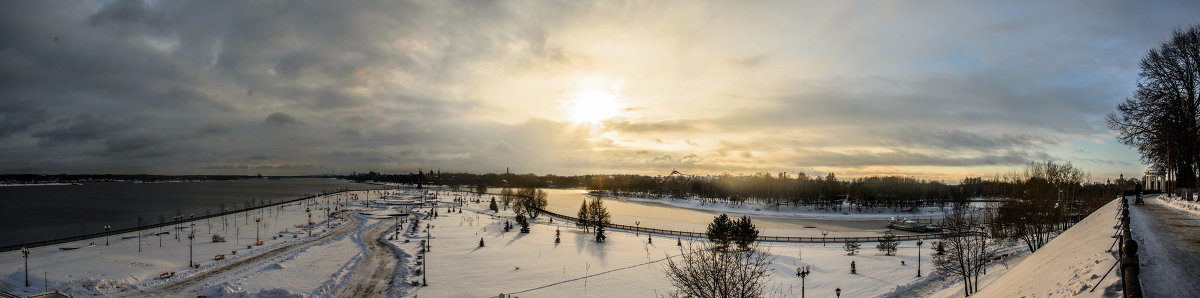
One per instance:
(191,240)
(803,272)
(25,253)
(823,233)
(838,291)
(639,227)
(106,227)
(919,242)
(257,225)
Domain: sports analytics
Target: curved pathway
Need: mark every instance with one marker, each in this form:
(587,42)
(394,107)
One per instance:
(374,273)
(1169,248)
(175,287)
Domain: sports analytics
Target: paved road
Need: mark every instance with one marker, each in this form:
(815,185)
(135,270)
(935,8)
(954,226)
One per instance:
(374,273)
(1169,249)
(176,287)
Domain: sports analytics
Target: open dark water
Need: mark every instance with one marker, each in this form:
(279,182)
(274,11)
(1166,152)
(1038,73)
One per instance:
(35,213)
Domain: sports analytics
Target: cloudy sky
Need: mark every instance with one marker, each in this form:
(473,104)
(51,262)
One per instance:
(932,89)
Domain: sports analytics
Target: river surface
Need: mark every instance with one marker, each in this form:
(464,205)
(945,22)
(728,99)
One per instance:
(36,213)
(664,216)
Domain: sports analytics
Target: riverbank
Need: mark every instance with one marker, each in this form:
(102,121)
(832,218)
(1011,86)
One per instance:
(843,211)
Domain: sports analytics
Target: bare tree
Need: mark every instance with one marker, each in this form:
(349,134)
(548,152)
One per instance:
(704,270)
(968,248)
(1161,119)
(530,201)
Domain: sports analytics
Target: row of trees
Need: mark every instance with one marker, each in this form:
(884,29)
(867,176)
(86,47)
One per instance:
(1162,118)
(593,216)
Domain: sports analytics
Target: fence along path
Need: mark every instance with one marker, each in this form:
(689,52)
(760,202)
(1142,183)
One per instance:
(760,238)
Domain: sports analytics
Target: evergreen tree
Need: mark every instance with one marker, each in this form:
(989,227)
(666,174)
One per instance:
(523,222)
(600,233)
(493,205)
(744,233)
(853,269)
(720,231)
(888,244)
(598,217)
(480,242)
(941,248)
(851,247)
(648,239)
(582,216)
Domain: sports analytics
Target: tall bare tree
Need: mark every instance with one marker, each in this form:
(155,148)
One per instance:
(704,270)
(1160,120)
(968,248)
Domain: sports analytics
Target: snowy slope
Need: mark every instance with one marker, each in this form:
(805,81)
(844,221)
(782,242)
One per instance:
(1070,265)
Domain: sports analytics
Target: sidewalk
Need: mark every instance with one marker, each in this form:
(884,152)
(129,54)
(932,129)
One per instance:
(1169,242)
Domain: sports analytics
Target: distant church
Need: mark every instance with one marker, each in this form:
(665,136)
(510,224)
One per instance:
(1155,179)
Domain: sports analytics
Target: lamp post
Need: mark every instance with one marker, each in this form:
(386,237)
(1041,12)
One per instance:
(106,227)
(639,227)
(919,242)
(838,291)
(25,253)
(191,239)
(803,272)
(823,233)
(257,225)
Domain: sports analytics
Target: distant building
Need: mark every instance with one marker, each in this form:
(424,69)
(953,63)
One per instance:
(1155,179)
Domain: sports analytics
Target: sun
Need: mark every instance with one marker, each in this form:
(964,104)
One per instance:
(592,106)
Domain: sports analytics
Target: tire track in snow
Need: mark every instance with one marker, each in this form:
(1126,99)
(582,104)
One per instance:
(374,274)
(177,286)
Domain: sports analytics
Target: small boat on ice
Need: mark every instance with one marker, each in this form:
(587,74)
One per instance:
(166,275)
(219,257)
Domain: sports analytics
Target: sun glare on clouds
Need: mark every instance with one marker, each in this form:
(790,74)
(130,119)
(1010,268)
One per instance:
(592,106)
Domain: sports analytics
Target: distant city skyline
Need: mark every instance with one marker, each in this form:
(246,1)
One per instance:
(928,89)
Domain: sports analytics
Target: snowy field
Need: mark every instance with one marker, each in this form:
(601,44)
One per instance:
(120,269)
(626,265)
(531,264)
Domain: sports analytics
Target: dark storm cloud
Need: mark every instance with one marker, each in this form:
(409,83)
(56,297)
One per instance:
(184,85)
(279,119)
(18,115)
(81,129)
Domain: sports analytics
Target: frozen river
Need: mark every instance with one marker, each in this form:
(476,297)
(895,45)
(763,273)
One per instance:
(664,216)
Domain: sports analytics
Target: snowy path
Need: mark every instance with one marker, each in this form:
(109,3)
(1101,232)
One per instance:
(374,274)
(179,286)
(1170,248)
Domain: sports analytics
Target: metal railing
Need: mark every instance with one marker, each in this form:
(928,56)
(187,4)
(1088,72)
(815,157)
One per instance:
(1130,267)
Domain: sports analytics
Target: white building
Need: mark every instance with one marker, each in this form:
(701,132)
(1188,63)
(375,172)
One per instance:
(1155,178)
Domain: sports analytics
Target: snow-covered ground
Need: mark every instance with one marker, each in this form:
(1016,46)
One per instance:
(526,264)
(120,269)
(1178,203)
(626,265)
(1070,265)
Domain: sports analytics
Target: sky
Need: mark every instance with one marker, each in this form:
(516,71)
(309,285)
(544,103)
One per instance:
(937,90)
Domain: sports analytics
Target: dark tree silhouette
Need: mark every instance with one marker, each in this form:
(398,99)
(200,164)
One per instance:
(1160,119)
